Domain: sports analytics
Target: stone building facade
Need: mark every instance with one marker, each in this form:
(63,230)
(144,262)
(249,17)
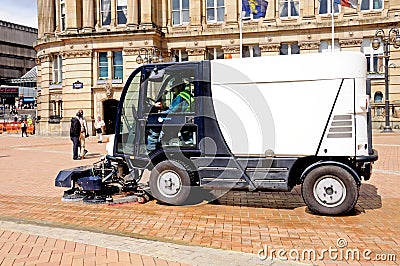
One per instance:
(94,44)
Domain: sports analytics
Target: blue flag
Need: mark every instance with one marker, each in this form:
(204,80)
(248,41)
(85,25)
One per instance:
(256,7)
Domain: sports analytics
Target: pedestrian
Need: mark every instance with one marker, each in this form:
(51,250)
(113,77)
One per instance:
(74,133)
(84,134)
(98,125)
(24,126)
(29,123)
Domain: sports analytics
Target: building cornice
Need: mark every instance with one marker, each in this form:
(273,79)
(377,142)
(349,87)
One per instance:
(131,51)
(231,49)
(350,42)
(309,45)
(196,51)
(273,47)
(77,54)
(44,58)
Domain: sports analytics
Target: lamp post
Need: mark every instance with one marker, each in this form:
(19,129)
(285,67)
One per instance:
(4,110)
(151,55)
(392,38)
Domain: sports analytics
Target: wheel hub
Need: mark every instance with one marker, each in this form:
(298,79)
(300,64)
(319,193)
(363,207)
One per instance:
(329,191)
(169,183)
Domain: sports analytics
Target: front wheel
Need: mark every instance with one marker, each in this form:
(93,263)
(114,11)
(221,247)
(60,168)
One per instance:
(170,183)
(330,190)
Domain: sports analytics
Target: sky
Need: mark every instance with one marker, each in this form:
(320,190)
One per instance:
(22,12)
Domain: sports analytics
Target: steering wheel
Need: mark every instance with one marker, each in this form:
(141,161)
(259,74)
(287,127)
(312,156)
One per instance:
(149,102)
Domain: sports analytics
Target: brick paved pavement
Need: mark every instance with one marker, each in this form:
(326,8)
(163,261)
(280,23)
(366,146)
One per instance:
(240,222)
(28,249)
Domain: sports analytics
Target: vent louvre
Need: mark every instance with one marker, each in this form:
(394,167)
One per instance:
(341,127)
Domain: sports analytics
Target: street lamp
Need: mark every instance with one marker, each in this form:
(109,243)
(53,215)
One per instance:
(4,110)
(151,55)
(393,38)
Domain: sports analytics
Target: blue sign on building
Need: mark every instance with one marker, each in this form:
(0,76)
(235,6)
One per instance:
(77,85)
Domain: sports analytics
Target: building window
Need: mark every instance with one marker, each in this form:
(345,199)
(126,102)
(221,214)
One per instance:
(378,97)
(371,5)
(289,8)
(117,65)
(180,12)
(214,53)
(325,7)
(215,11)
(121,11)
(57,69)
(56,112)
(325,46)
(289,48)
(375,62)
(251,51)
(179,56)
(62,14)
(103,65)
(105,12)
(56,108)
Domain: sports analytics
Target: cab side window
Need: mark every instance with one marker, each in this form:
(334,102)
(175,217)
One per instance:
(173,94)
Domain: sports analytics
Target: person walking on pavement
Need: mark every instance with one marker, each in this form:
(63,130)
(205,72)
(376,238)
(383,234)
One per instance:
(84,134)
(24,126)
(98,125)
(75,133)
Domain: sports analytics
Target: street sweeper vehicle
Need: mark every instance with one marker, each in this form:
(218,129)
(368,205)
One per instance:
(187,131)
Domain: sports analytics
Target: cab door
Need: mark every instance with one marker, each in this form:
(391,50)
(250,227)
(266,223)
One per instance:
(125,144)
(169,110)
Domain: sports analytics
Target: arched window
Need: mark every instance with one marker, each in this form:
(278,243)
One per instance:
(378,97)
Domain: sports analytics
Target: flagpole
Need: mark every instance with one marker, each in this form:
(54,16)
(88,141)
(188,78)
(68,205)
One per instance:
(240,29)
(333,25)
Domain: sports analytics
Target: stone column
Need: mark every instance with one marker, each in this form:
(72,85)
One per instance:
(40,18)
(270,15)
(133,13)
(88,15)
(57,16)
(48,17)
(164,15)
(113,23)
(72,16)
(232,12)
(195,8)
(308,8)
(145,14)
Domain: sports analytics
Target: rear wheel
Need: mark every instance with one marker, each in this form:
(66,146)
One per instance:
(330,190)
(170,182)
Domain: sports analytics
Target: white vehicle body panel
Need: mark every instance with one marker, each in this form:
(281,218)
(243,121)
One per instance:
(283,104)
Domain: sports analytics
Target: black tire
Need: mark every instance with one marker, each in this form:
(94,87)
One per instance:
(330,190)
(170,183)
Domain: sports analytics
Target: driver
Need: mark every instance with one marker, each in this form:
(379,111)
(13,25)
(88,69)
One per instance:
(182,99)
